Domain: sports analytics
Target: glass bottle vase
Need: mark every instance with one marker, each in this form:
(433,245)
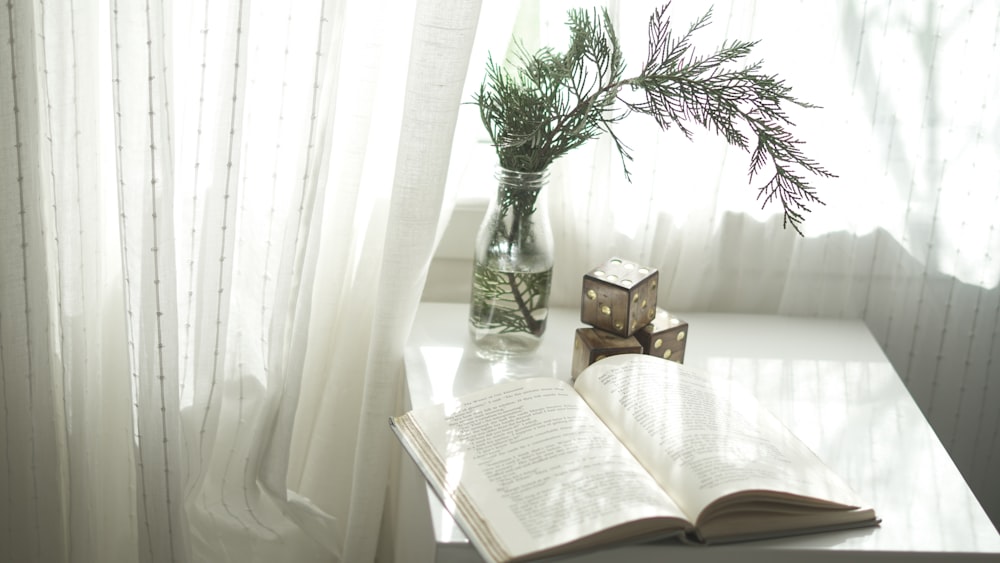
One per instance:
(512,267)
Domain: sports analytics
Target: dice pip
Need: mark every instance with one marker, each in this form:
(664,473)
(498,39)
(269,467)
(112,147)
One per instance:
(619,296)
(665,337)
(592,344)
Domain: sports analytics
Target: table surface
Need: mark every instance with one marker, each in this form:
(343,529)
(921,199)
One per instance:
(827,380)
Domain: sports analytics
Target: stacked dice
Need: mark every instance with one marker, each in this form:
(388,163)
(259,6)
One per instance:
(619,304)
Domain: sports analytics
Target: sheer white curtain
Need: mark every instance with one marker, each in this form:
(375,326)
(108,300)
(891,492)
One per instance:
(215,223)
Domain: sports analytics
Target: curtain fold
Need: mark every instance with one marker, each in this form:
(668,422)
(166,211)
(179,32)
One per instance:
(216,219)
(436,77)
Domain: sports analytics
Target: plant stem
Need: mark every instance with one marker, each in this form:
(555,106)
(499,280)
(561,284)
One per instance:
(534,326)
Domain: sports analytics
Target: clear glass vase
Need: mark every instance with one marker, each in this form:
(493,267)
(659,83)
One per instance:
(512,269)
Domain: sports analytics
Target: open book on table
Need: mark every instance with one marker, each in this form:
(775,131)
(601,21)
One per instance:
(639,448)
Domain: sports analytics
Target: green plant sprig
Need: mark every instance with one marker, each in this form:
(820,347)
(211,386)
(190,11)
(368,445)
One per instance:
(555,102)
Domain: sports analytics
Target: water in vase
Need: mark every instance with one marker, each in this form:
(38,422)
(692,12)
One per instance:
(508,309)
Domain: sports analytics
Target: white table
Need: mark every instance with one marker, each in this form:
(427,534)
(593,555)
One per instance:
(827,380)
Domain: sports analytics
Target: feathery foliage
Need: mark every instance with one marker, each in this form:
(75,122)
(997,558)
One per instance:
(555,102)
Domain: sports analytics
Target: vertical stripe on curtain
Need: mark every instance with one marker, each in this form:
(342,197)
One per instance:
(31,463)
(146,223)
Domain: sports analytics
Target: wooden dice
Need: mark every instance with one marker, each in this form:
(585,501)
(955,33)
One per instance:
(592,344)
(619,297)
(665,337)
(619,304)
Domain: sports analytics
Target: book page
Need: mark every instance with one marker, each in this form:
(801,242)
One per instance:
(534,468)
(704,438)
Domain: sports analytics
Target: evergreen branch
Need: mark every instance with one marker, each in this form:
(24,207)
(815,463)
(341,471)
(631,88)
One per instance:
(556,102)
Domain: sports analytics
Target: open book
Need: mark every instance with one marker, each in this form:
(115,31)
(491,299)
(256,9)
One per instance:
(639,448)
